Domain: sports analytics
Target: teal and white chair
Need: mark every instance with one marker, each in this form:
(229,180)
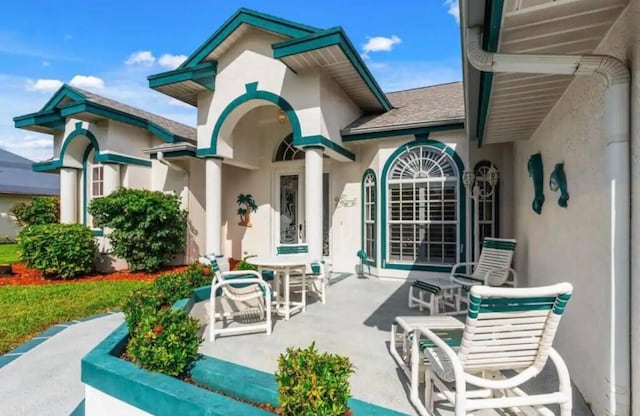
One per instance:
(316,273)
(493,268)
(506,342)
(240,296)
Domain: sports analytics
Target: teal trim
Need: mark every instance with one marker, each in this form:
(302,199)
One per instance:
(498,244)
(120,116)
(324,143)
(97,232)
(178,153)
(534,166)
(369,260)
(50,119)
(249,17)
(333,37)
(252,93)
(47,166)
(492,24)
(423,140)
(122,159)
(401,132)
(79,131)
(64,92)
(293,249)
(203,74)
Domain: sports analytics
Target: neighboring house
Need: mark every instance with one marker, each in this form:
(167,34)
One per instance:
(291,115)
(18,183)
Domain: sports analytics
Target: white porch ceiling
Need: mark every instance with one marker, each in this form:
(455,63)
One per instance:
(519,102)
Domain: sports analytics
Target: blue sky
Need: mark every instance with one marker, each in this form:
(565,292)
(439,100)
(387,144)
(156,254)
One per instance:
(111,47)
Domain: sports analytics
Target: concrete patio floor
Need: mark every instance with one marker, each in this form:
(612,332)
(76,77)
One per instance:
(355,322)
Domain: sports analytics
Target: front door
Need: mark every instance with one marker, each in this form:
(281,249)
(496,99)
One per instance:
(290,221)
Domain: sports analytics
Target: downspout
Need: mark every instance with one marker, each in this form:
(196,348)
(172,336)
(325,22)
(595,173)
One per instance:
(616,131)
(160,157)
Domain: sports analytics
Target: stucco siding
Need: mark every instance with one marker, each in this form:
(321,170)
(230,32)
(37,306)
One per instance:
(571,244)
(338,110)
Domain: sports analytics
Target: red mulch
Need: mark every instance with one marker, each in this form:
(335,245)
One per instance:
(25,276)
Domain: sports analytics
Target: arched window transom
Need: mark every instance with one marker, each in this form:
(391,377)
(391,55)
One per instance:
(287,151)
(423,212)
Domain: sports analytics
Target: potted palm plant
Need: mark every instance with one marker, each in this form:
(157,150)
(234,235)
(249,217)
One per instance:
(246,205)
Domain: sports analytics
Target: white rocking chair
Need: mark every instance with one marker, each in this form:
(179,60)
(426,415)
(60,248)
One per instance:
(506,329)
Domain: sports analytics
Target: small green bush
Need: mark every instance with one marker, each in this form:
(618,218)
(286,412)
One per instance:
(148,226)
(41,210)
(166,341)
(58,250)
(243,265)
(143,302)
(312,383)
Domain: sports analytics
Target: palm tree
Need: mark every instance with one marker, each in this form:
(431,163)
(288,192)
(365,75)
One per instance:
(246,205)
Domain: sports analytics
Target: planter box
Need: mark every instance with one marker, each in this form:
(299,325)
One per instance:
(116,386)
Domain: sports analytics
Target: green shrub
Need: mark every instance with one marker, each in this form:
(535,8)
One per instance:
(58,250)
(143,302)
(311,383)
(243,265)
(199,275)
(148,227)
(41,210)
(166,341)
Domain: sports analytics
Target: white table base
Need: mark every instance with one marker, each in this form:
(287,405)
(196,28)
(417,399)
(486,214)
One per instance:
(283,305)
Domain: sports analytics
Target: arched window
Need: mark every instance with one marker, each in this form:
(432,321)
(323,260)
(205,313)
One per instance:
(487,206)
(423,214)
(369,215)
(286,151)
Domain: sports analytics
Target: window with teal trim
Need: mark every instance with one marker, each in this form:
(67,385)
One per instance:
(369,217)
(487,205)
(422,207)
(286,151)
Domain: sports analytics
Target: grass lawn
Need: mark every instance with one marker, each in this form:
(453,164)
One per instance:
(29,310)
(9,254)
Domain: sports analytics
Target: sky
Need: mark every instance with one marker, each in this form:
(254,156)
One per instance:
(111,47)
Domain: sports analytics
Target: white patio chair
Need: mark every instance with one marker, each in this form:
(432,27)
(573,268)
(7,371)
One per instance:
(493,268)
(247,297)
(507,329)
(316,273)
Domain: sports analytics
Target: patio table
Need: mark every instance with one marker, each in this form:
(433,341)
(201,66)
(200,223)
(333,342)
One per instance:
(284,265)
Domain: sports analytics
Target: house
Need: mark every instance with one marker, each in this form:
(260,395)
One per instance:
(291,115)
(18,183)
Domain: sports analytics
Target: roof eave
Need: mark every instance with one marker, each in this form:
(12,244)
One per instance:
(353,135)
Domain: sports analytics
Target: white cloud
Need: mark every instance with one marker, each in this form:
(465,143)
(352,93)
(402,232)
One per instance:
(380,44)
(454,9)
(43,85)
(144,58)
(46,63)
(33,146)
(87,81)
(171,61)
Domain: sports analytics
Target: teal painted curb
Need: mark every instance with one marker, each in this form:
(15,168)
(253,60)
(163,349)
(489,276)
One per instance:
(160,394)
(79,410)
(45,335)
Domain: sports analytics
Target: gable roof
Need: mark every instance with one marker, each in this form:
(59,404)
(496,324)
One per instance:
(424,108)
(75,102)
(300,47)
(17,178)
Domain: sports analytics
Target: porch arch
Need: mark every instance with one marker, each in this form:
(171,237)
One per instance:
(252,93)
(77,149)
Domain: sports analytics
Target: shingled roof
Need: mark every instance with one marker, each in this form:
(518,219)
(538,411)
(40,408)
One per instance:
(417,107)
(173,127)
(17,178)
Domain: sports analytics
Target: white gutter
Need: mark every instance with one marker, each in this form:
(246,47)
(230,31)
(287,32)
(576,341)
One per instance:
(160,157)
(616,131)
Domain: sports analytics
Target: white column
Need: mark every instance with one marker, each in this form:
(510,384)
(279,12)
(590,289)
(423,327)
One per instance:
(213,204)
(111,180)
(313,199)
(68,195)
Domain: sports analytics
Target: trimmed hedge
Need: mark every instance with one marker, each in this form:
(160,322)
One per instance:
(59,251)
(149,227)
(41,210)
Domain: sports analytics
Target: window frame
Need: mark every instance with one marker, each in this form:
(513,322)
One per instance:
(494,200)
(456,168)
(370,207)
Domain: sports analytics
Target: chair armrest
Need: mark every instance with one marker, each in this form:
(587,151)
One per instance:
(458,265)
(458,371)
(241,273)
(509,270)
(266,289)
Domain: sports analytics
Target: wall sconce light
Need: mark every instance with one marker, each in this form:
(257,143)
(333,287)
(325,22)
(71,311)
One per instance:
(282,117)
